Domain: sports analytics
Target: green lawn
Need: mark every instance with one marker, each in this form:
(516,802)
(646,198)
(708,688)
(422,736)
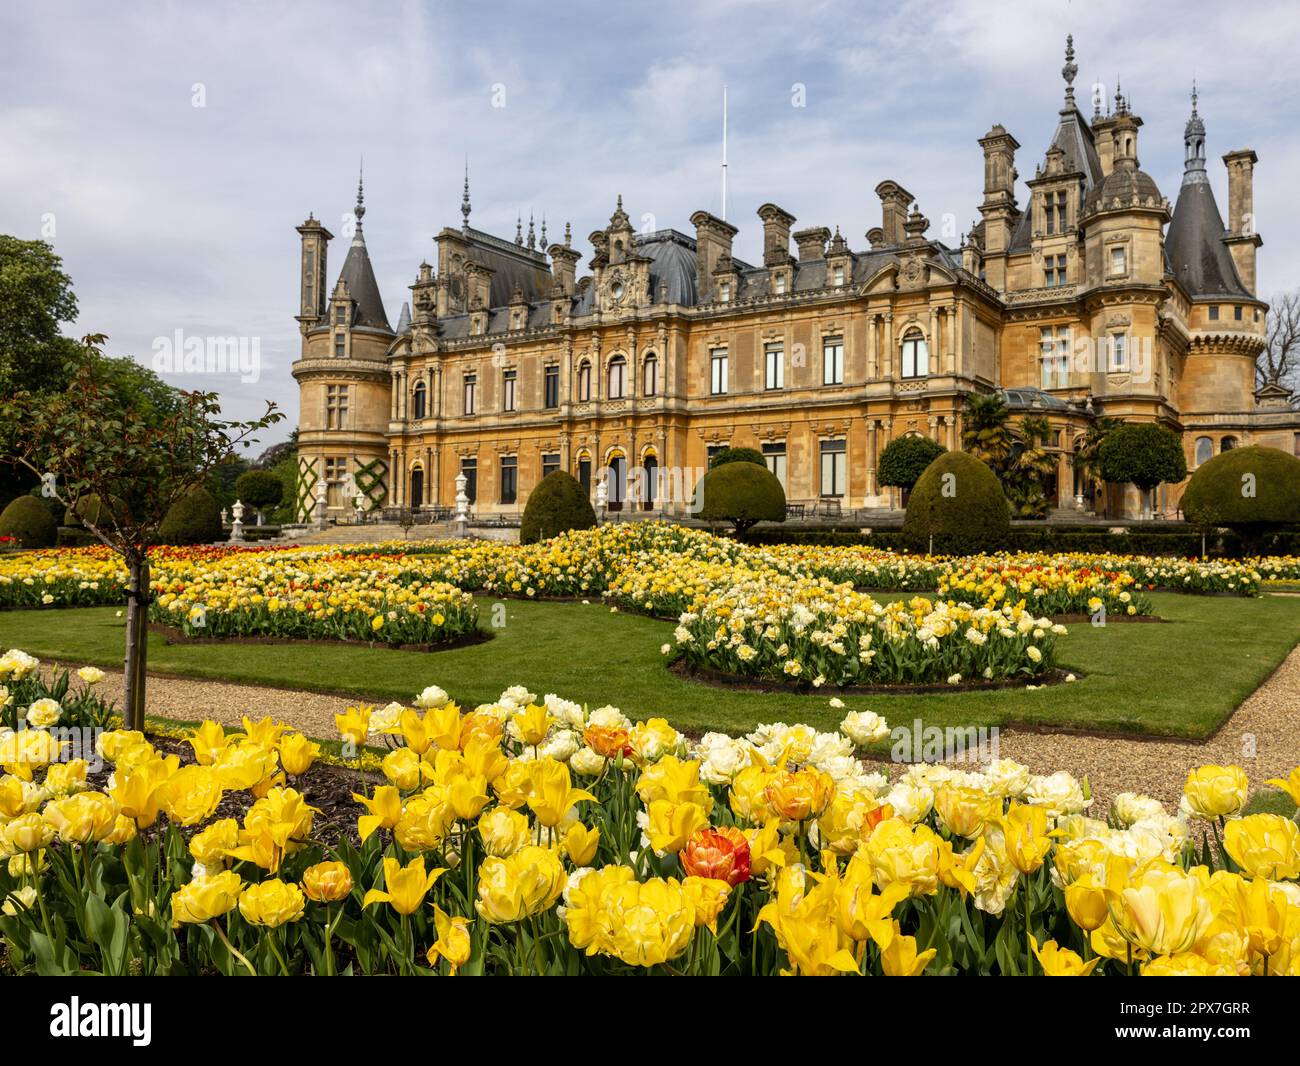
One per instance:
(1181,678)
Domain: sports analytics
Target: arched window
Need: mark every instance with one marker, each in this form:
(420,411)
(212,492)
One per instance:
(617,378)
(419,398)
(1204,449)
(916,356)
(650,372)
(584,381)
(1227,444)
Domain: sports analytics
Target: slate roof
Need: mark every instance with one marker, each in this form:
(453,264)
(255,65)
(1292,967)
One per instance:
(1200,260)
(359,276)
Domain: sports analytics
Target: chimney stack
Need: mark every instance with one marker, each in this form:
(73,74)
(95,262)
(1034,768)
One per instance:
(776,234)
(713,237)
(894,201)
(811,243)
(564,266)
(1242,239)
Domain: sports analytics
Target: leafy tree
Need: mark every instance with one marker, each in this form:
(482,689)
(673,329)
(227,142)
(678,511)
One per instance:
(737,455)
(905,459)
(260,489)
(742,494)
(1031,465)
(35,297)
(81,444)
(1142,454)
(986,430)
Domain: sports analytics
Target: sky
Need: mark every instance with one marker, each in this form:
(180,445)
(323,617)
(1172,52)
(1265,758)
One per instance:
(168,150)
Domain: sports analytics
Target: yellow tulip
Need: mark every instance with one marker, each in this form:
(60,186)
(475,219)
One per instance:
(26,833)
(211,845)
(425,820)
(532,724)
(1024,830)
(191,795)
(206,898)
(748,795)
(905,854)
(1264,916)
(298,753)
(83,818)
(1087,903)
(265,733)
(798,795)
(327,882)
(706,896)
(580,844)
(1264,845)
(671,824)
(503,831)
(861,913)
(1161,909)
(519,885)
(272,903)
(467,796)
(673,779)
(1185,965)
(1216,791)
(453,943)
(385,809)
(1289,785)
(65,778)
(404,886)
(354,724)
(402,768)
(244,765)
(1061,962)
(644,924)
(965,811)
(138,791)
(550,792)
(900,958)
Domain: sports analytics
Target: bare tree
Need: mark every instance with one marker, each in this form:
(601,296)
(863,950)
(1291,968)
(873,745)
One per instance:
(1279,362)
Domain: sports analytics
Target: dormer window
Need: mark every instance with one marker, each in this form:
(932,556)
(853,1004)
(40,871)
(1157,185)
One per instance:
(341,315)
(838,275)
(1055,211)
(724,292)
(340,345)
(778,285)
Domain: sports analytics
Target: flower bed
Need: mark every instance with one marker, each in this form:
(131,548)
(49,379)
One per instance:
(533,835)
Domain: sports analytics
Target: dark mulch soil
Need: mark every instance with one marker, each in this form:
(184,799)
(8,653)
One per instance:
(174,635)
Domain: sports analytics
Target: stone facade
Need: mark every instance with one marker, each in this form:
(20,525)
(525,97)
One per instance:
(1096,297)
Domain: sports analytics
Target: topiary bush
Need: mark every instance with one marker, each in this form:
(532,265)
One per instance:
(1249,490)
(558,504)
(742,493)
(29,522)
(193,519)
(1142,454)
(737,455)
(905,459)
(958,501)
(260,490)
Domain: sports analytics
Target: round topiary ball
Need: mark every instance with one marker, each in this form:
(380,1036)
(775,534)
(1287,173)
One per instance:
(558,504)
(91,509)
(29,522)
(193,519)
(959,502)
(1253,487)
(905,459)
(742,494)
(737,455)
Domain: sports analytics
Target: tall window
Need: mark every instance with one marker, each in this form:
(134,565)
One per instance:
(509,378)
(1118,351)
(551,387)
(584,381)
(1054,270)
(916,356)
(584,473)
(778,285)
(1118,260)
(1204,450)
(833,361)
(833,467)
(718,365)
(775,357)
(838,275)
(469,467)
(340,346)
(341,315)
(1055,207)
(471,394)
(336,469)
(509,478)
(336,407)
(617,377)
(550,463)
(419,400)
(775,456)
(650,371)
(724,292)
(1055,341)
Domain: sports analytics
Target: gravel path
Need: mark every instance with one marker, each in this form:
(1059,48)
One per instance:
(1262,736)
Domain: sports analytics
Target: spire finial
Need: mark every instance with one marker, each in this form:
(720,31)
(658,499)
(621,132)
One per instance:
(360,211)
(532,235)
(519,228)
(543,231)
(1069,70)
(1096,101)
(464,199)
(1193,97)
(568,235)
